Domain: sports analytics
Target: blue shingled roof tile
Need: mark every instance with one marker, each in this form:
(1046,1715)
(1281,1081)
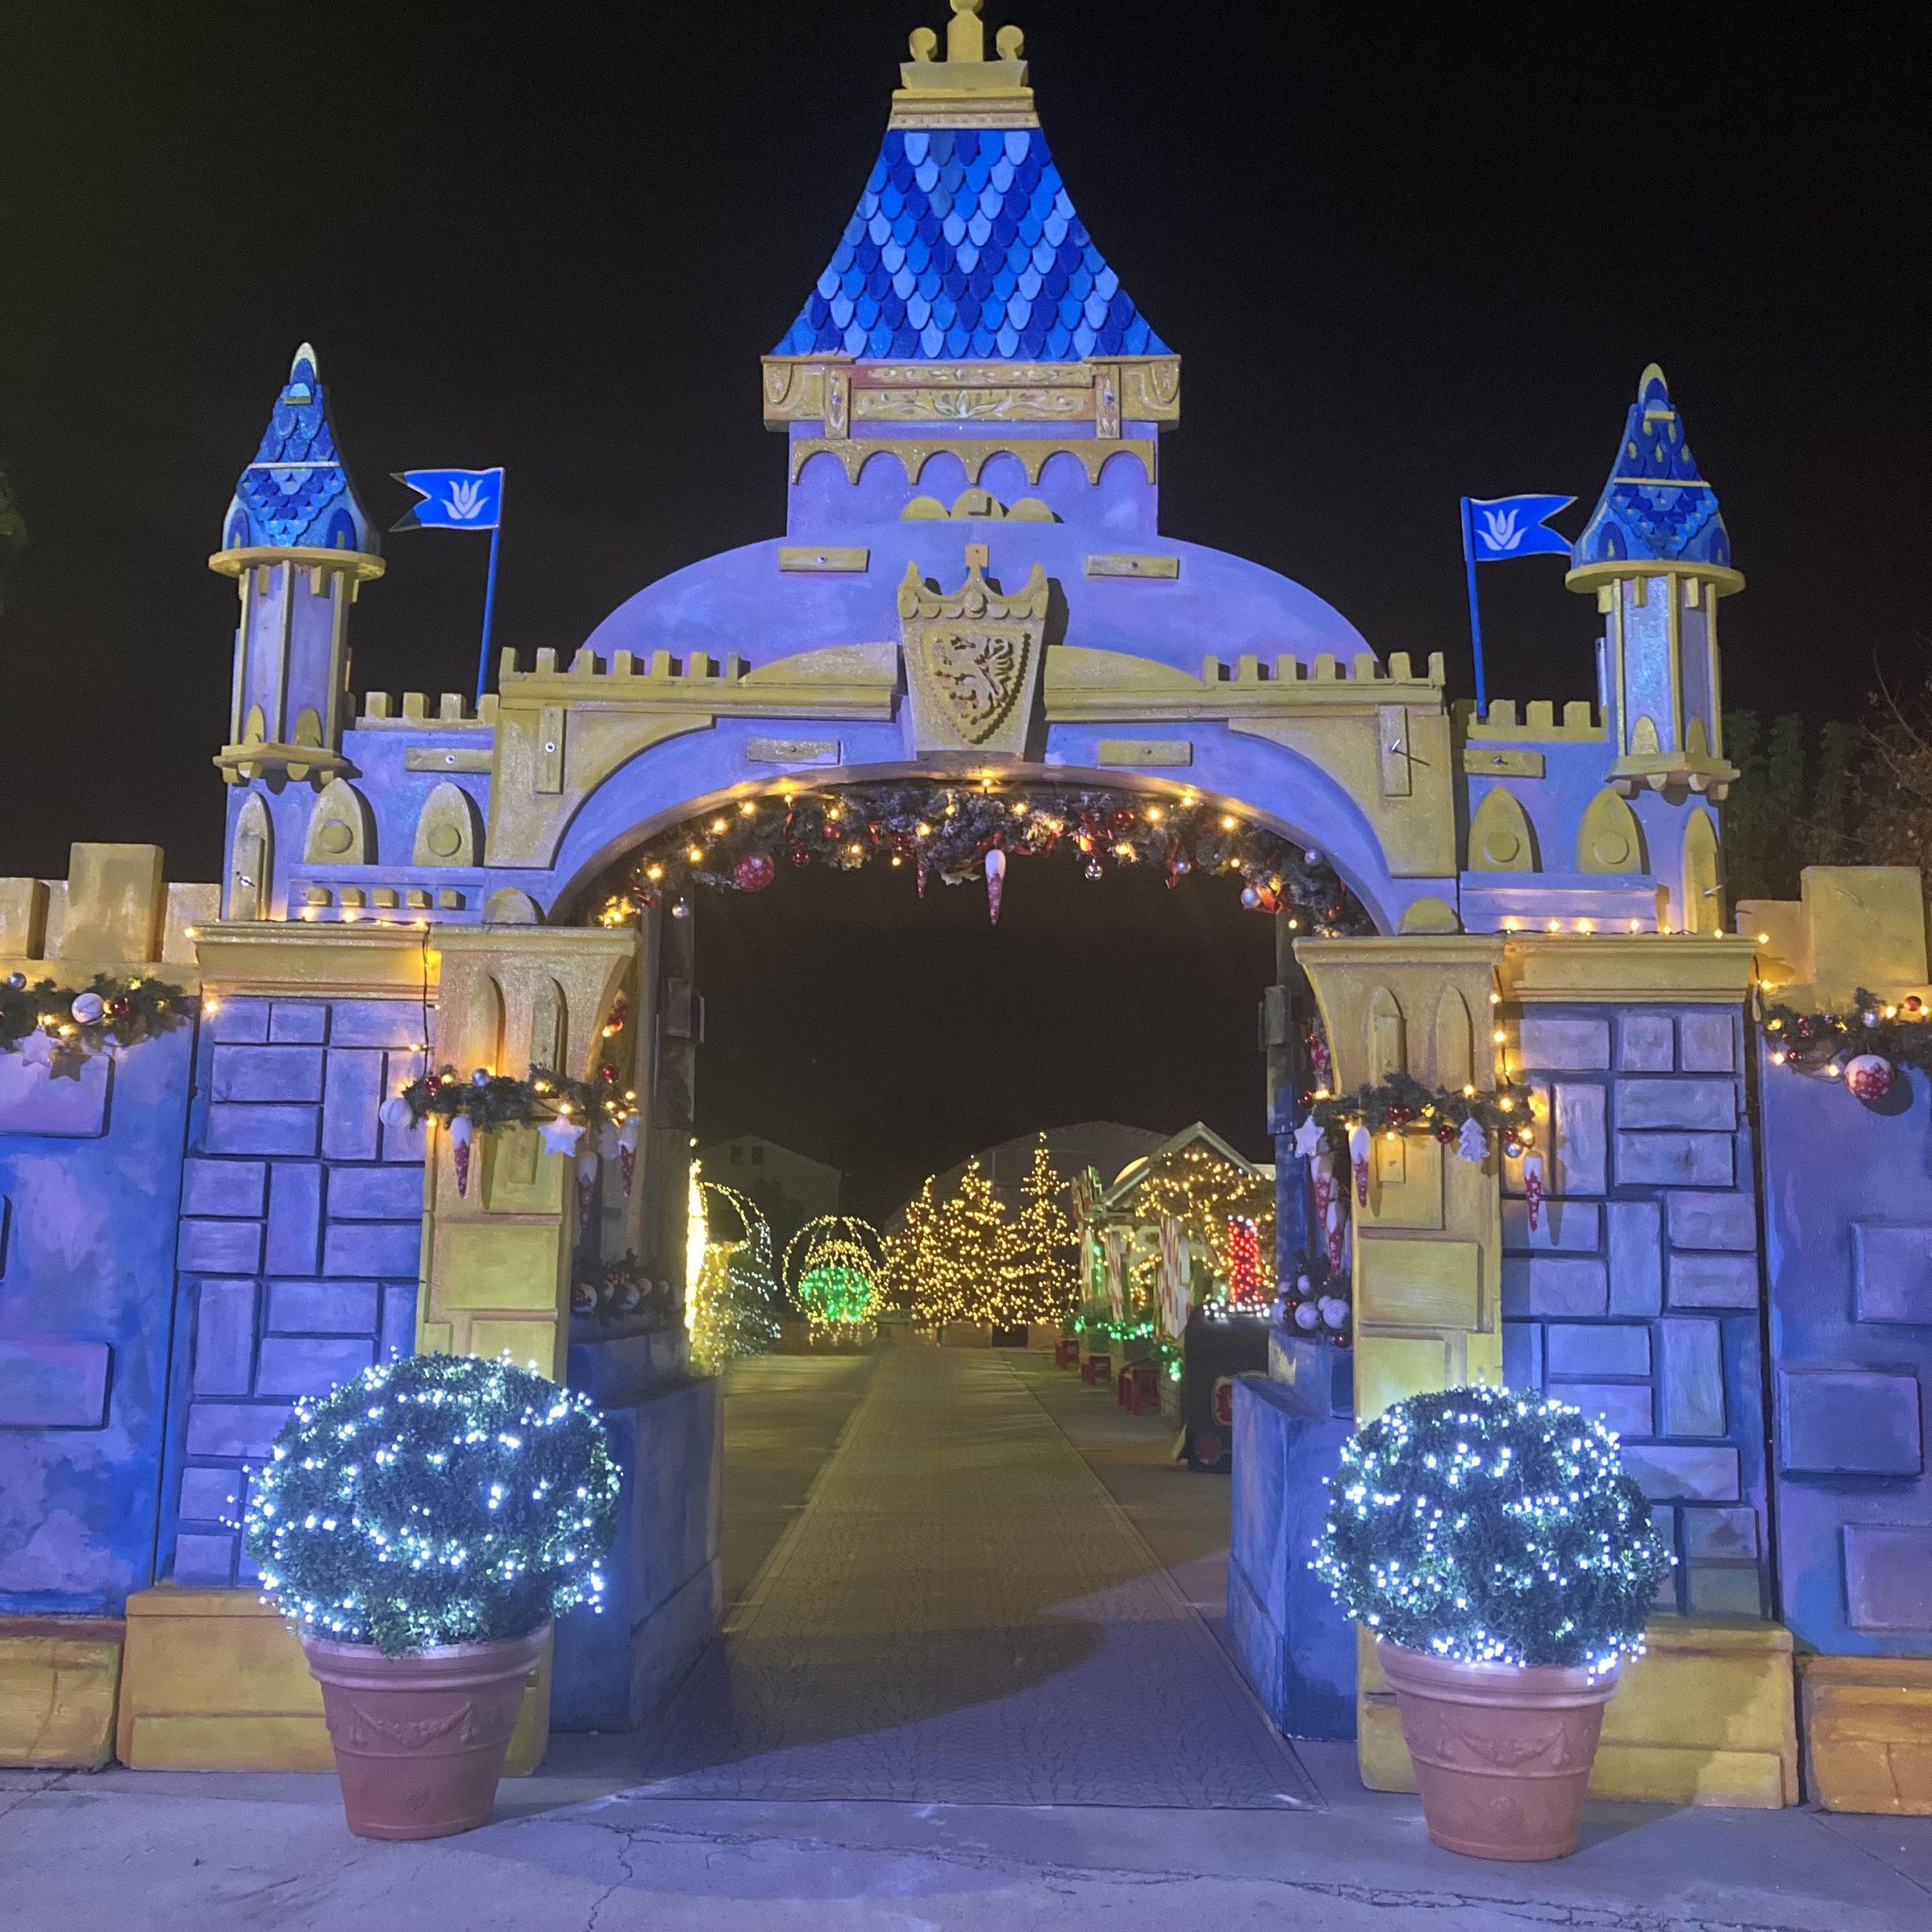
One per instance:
(296,494)
(965,243)
(1656,508)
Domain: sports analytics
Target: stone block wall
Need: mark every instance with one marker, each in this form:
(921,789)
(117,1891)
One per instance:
(90,1178)
(1637,1297)
(1848,1216)
(298,1247)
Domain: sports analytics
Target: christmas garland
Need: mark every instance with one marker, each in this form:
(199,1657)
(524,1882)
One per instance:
(51,1026)
(490,1102)
(562,1110)
(1401,1104)
(1865,1047)
(967,830)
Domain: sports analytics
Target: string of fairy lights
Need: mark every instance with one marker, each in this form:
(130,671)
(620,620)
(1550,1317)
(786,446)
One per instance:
(957,830)
(434,1500)
(831,1269)
(1492,1526)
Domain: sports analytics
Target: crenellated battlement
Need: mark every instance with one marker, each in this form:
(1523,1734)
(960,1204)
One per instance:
(693,666)
(1583,722)
(1364,668)
(454,711)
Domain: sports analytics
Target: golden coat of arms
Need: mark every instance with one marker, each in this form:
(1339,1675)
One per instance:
(972,658)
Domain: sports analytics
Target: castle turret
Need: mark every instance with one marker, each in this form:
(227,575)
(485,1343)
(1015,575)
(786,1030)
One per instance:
(968,325)
(299,546)
(1657,554)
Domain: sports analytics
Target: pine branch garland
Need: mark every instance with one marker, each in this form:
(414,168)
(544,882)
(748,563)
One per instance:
(947,830)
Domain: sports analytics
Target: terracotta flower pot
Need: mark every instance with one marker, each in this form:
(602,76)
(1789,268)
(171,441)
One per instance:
(419,1739)
(1502,1753)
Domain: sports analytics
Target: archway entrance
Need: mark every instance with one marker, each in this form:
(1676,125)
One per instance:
(960,1580)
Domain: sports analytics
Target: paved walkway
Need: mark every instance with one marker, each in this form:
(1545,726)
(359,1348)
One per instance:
(575,1846)
(963,1615)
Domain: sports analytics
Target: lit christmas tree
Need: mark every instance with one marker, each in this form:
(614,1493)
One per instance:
(1047,1287)
(963,1259)
(905,1251)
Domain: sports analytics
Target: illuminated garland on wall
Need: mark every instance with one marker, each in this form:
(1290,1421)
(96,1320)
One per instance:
(1863,1048)
(970,830)
(563,1110)
(50,1026)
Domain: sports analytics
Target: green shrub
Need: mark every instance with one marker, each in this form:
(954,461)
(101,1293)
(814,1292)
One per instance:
(1493,1527)
(436,1499)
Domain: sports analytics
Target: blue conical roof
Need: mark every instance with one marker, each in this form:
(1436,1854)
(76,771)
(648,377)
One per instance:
(965,247)
(1655,508)
(297,493)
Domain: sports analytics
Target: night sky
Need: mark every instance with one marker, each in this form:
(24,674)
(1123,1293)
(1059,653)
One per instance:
(1405,252)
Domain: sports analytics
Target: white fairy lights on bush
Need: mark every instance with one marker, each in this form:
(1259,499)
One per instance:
(434,1500)
(1492,1526)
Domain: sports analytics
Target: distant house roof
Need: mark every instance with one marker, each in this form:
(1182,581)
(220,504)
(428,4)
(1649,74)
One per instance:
(1655,508)
(1199,1135)
(765,1140)
(965,246)
(296,494)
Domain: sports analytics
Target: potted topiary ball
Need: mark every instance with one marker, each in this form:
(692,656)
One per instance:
(1505,1563)
(420,1526)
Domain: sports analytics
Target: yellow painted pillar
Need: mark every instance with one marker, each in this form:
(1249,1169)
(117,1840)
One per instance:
(495,1258)
(1427,1275)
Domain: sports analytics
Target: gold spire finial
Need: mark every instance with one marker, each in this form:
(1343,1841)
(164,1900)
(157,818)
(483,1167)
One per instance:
(965,90)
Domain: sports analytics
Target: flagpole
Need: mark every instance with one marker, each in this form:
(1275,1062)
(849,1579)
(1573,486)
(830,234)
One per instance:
(1475,619)
(490,604)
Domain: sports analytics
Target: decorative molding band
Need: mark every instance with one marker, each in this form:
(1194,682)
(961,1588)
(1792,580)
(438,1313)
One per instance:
(435,757)
(808,389)
(829,562)
(1145,753)
(1124,566)
(915,452)
(279,956)
(1678,968)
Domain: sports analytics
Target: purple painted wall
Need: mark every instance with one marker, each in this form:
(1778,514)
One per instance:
(1848,1246)
(89,1187)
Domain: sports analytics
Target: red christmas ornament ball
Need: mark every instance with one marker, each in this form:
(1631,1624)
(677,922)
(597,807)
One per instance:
(1869,1076)
(1445,1132)
(120,1008)
(753,872)
(800,857)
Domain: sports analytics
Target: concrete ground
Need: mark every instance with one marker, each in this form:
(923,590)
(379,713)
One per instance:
(819,1529)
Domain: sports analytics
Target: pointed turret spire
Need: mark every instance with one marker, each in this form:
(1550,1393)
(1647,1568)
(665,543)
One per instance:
(1655,508)
(965,244)
(296,494)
